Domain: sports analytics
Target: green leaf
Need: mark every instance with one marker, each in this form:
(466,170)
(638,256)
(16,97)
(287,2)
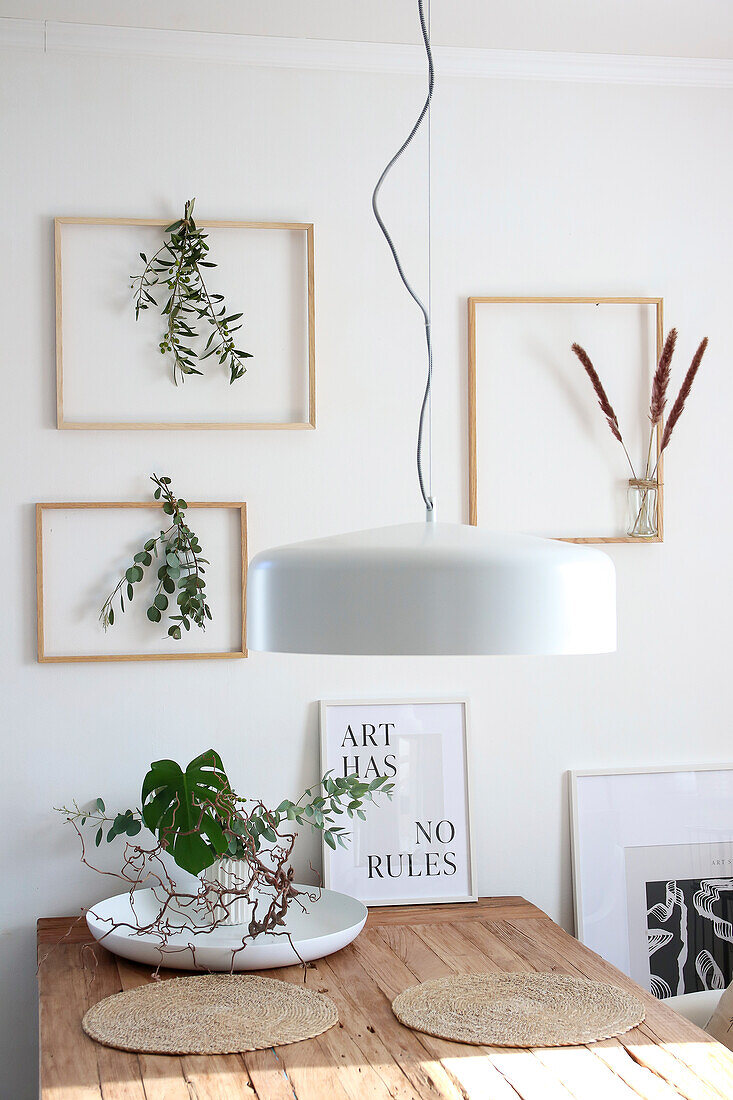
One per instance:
(161,601)
(130,592)
(175,632)
(169,584)
(111,616)
(329,840)
(180,808)
(100,805)
(98,837)
(154,614)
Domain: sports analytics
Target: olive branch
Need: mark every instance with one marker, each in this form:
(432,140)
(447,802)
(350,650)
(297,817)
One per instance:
(177,266)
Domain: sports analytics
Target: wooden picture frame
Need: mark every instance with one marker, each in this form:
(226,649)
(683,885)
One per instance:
(184,425)
(473,302)
(45,658)
(440,793)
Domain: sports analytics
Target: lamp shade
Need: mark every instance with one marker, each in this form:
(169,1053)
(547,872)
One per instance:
(431,588)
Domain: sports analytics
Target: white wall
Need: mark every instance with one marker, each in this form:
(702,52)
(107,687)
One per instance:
(538,189)
(672,28)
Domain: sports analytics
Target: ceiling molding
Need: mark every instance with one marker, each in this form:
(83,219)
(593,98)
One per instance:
(383,57)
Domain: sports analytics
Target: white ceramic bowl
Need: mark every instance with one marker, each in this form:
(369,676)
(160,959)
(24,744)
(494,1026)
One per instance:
(326,925)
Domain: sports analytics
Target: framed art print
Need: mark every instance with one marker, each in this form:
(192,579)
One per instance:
(83,548)
(110,373)
(541,458)
(416,848)
(653,873)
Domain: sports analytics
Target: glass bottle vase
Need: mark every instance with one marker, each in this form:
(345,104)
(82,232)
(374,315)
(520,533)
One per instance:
(642,504)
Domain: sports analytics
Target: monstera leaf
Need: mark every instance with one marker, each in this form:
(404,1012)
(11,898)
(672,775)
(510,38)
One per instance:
(184,809)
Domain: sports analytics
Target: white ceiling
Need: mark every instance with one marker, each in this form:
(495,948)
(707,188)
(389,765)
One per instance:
(657,27)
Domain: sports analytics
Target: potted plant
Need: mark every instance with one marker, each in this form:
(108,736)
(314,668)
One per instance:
(236,851)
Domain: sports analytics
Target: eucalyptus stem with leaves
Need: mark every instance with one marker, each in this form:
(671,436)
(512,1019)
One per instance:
(200,817)
(181,569)
(177,266)
(318,806)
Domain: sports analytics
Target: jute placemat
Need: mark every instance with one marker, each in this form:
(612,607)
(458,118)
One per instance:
(210,1014)
(518,1010)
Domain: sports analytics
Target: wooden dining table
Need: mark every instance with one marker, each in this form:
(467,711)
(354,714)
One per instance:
(369,1054)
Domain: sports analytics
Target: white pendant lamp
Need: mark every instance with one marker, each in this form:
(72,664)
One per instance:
(430,588)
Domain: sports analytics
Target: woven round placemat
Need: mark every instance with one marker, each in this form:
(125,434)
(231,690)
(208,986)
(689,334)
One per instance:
(518,1010)
(210,1014)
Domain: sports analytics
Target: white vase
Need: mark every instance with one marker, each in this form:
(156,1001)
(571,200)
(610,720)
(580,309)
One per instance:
(235,874)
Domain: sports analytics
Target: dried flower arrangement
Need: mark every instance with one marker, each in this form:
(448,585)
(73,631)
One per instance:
(657,406)
(197,818)
(177,266)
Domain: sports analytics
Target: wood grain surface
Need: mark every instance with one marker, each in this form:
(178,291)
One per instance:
(369,1054)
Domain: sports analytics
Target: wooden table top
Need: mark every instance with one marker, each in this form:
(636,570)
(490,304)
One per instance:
(369,1053)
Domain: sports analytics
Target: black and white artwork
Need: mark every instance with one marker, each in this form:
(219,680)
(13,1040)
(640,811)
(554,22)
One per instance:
(689,935)
(653,873)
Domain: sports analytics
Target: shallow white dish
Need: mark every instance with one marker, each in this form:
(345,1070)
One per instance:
(327,925)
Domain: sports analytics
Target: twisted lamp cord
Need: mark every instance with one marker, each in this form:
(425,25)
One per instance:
(398,263)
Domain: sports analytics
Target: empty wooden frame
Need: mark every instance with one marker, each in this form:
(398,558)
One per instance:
(110,374)
(79,560)
(547,460)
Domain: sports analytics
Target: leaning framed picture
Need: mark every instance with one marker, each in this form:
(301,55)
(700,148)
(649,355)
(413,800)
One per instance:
(416,848)
(82,553)
(541,459)
(110,373)
(653,873)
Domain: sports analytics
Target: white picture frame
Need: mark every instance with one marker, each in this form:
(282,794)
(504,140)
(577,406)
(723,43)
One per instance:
(647,843)
(397,737)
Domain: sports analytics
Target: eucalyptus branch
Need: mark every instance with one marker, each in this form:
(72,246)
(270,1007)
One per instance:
(177,265)
(318,806)
(181,570)
(128,823)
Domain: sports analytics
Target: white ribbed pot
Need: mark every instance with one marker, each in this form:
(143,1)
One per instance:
(235,874)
